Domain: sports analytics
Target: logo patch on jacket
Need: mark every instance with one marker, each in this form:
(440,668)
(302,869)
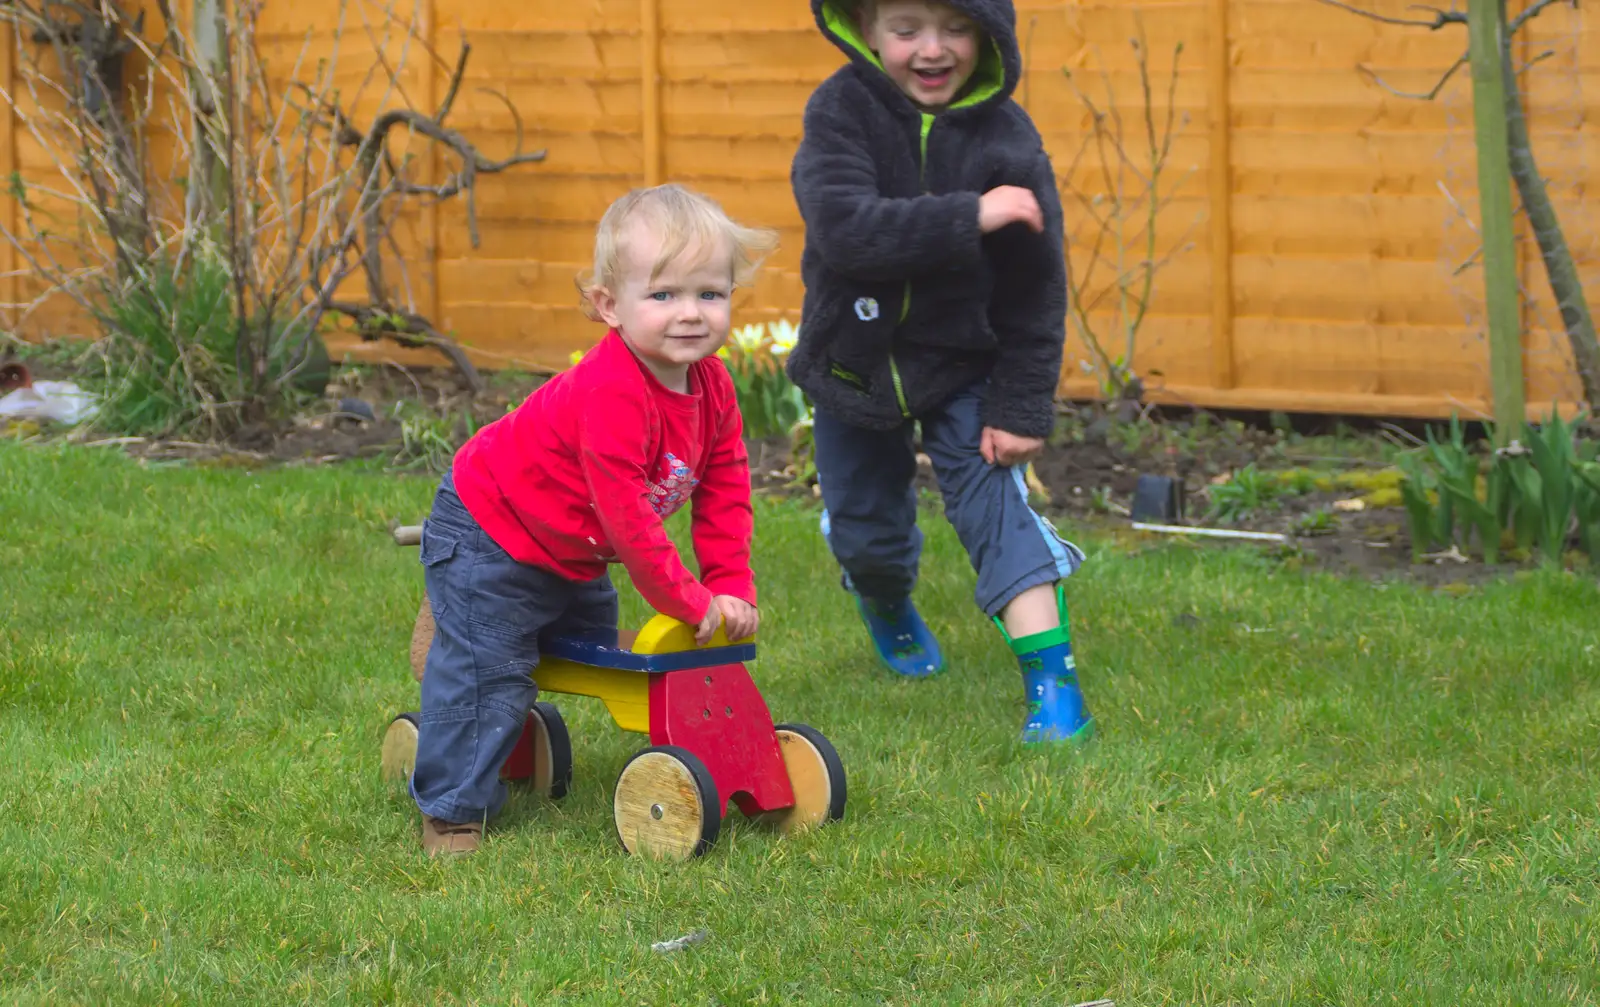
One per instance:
(674,489)
(867,309)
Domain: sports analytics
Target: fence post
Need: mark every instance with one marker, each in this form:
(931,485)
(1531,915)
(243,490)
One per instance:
(1219,117)
(650,81)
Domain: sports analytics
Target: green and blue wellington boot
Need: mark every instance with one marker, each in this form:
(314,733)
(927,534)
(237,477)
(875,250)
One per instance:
(1056,709)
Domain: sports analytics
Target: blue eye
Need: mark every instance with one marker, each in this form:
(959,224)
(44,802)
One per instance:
(661,296)
(711,295)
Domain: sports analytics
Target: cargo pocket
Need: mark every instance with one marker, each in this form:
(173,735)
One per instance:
(436,552)
(861,324)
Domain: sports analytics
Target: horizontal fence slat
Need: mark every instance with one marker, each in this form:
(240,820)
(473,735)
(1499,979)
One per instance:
(1350,208)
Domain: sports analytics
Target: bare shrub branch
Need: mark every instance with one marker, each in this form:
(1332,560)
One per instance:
(1112,264)
(283,181)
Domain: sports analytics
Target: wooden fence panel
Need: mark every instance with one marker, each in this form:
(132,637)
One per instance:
(1316,245)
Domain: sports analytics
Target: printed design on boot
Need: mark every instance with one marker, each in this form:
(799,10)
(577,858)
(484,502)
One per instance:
(1056,709)
(903,641)
(905,645)
(1033,665)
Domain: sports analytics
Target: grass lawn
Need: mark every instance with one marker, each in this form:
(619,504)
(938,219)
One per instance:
(1304,791)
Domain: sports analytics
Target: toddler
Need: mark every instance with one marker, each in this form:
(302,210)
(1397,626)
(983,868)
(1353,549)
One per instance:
(581,475)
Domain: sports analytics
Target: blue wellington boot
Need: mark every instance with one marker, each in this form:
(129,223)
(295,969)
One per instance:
(903,641)
(1056,709)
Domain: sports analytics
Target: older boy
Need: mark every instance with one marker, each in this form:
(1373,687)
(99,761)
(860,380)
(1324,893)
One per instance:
(936,294)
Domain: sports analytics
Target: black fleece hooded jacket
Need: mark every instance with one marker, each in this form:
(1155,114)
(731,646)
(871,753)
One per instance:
(906,301)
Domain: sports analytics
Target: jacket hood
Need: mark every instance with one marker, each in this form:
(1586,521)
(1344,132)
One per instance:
(999,65)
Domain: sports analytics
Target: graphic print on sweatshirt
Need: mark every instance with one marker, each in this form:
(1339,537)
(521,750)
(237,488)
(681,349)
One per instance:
(674,488)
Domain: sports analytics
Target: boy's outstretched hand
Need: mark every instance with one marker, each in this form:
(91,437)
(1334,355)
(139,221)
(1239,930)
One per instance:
(742,618)
(1009,204)
(1001,448)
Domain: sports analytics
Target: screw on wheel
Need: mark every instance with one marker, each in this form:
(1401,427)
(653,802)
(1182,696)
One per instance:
(666,804)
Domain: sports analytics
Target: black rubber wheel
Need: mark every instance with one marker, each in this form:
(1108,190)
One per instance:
(557,753)
(666,805)
(817,775)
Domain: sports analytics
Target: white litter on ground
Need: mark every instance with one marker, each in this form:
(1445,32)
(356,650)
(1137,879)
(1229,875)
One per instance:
(679,943)
(60,401)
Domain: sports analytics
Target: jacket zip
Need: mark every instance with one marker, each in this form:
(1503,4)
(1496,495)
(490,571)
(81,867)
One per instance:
(905,307)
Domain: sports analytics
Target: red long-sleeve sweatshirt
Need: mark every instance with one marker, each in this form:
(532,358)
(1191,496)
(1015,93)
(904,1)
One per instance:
(585,472)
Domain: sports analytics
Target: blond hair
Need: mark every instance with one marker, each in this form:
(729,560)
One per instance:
(684,219)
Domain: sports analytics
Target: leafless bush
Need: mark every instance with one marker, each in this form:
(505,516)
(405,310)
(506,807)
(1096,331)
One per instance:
(212,277)
(1114,258)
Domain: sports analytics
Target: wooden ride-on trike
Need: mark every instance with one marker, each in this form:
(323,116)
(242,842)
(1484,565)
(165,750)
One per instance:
(712,738)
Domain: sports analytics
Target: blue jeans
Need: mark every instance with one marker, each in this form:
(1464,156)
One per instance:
(870,508)
(477,687)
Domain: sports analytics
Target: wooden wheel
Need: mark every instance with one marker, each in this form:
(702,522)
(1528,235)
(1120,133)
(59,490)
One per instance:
(421,638)
(543,756)
(400,747)
(815,773)
(666,804)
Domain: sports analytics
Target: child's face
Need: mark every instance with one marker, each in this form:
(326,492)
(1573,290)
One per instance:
(681,316)
(928,49)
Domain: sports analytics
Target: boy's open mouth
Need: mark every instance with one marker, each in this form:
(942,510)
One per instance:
(935,77)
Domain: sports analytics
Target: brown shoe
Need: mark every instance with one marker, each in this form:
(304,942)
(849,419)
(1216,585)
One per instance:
(440,836)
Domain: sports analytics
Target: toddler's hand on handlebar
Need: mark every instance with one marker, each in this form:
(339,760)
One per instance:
(742,619)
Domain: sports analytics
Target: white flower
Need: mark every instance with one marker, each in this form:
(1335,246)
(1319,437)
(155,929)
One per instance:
(784,336)
(747,339)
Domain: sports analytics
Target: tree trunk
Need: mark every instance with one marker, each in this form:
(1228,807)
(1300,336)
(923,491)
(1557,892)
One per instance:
(1565,285)
(1486,29)
(209,190)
